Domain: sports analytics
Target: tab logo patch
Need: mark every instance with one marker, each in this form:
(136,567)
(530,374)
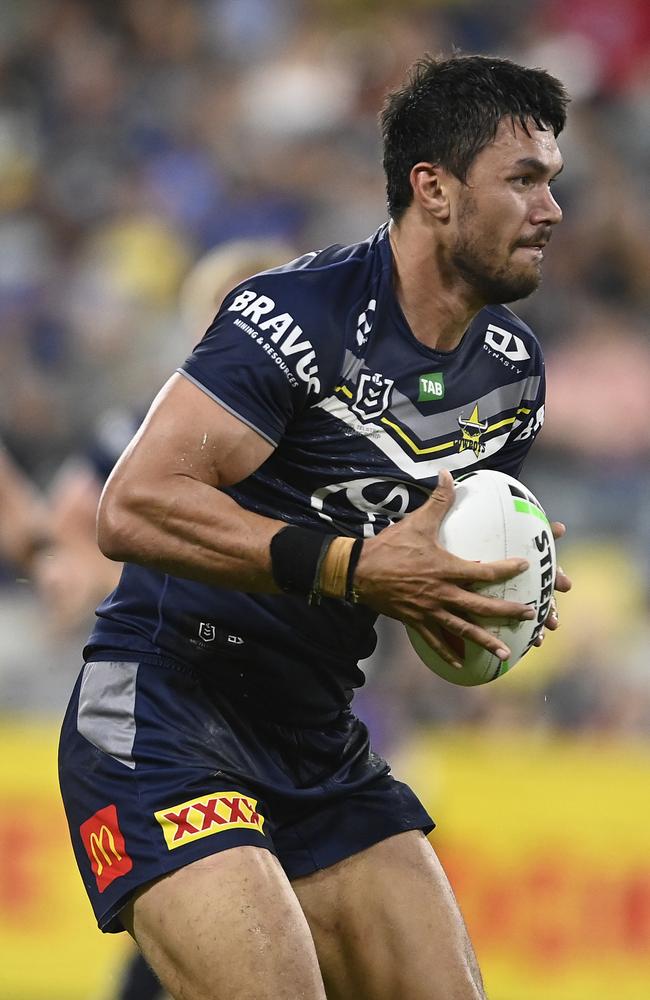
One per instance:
(432,386)
(210,814)
(105,847)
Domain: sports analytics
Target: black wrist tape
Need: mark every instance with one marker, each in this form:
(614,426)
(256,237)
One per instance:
(296,556)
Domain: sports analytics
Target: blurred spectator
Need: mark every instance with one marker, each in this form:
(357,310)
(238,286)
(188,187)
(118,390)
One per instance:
(71,573)
(23,516)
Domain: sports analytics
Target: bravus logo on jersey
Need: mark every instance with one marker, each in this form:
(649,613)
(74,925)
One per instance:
(282,330)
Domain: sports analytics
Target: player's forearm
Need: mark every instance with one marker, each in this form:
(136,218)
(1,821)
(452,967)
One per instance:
(23,522)
(188,529)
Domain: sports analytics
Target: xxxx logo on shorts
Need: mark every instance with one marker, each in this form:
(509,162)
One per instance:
(105,846)
(210,814)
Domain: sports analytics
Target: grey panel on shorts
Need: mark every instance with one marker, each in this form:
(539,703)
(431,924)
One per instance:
(106,708)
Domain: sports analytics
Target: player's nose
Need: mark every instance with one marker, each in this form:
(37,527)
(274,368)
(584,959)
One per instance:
(546,211)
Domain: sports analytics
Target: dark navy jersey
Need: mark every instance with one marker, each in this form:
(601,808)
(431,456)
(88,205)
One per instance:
(318,358)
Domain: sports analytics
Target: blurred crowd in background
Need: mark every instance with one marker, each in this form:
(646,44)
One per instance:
(137,135)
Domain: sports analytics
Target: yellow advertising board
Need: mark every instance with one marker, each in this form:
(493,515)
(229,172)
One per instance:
(547,845)
(49,942)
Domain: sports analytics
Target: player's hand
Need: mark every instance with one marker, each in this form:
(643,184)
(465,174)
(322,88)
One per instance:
(71,574)
(406,574)
(71,579)
(562,585)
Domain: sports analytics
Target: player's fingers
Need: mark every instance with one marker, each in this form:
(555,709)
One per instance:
(558,529)
(435,640)
(488,607)
(552,623)
(562,581)
(553,618)
(435,508)
(470,630)
(467,572)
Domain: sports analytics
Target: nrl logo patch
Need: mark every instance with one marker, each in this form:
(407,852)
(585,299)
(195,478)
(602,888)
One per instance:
(373,396)
(207,631)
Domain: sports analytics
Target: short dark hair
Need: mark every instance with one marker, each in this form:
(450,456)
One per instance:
(449,109)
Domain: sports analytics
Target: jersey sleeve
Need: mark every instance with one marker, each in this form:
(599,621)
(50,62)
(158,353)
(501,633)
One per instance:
(269,353)
(528,423)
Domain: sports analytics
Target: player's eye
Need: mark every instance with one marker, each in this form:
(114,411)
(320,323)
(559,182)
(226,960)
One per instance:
(524,179)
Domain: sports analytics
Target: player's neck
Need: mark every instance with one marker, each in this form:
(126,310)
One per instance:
(437,303)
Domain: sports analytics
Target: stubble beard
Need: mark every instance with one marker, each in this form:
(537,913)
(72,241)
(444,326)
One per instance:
(493,285)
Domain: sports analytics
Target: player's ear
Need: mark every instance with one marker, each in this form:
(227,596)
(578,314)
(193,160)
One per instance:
(430,183)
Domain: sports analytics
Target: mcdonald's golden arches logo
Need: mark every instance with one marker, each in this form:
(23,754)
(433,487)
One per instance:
(105,846)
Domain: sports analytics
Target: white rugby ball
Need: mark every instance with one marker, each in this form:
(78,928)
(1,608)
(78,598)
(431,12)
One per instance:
(495,517)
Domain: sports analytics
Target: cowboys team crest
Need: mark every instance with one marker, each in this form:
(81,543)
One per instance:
(472,429)
(373,396)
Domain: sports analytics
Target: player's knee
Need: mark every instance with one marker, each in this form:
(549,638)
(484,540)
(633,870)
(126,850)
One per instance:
(462,982)
(476,991)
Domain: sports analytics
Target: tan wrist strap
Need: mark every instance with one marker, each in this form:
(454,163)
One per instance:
(334,569)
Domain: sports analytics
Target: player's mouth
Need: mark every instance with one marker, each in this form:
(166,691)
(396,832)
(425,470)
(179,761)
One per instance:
(534,246)
(536,250)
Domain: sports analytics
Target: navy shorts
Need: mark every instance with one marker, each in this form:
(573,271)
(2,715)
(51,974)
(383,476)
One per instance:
(158,769)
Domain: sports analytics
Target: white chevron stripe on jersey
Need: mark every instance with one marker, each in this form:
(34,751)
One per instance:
(386,443)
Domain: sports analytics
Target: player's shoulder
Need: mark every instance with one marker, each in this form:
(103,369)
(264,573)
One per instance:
(301,312)
(338,262)
(507,334)
(324,280)
(316,295)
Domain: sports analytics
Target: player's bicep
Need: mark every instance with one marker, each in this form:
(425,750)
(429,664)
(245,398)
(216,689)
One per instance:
(187,433)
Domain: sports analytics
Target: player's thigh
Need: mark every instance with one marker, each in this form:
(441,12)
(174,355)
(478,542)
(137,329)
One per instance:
(386,925)
(230,926)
